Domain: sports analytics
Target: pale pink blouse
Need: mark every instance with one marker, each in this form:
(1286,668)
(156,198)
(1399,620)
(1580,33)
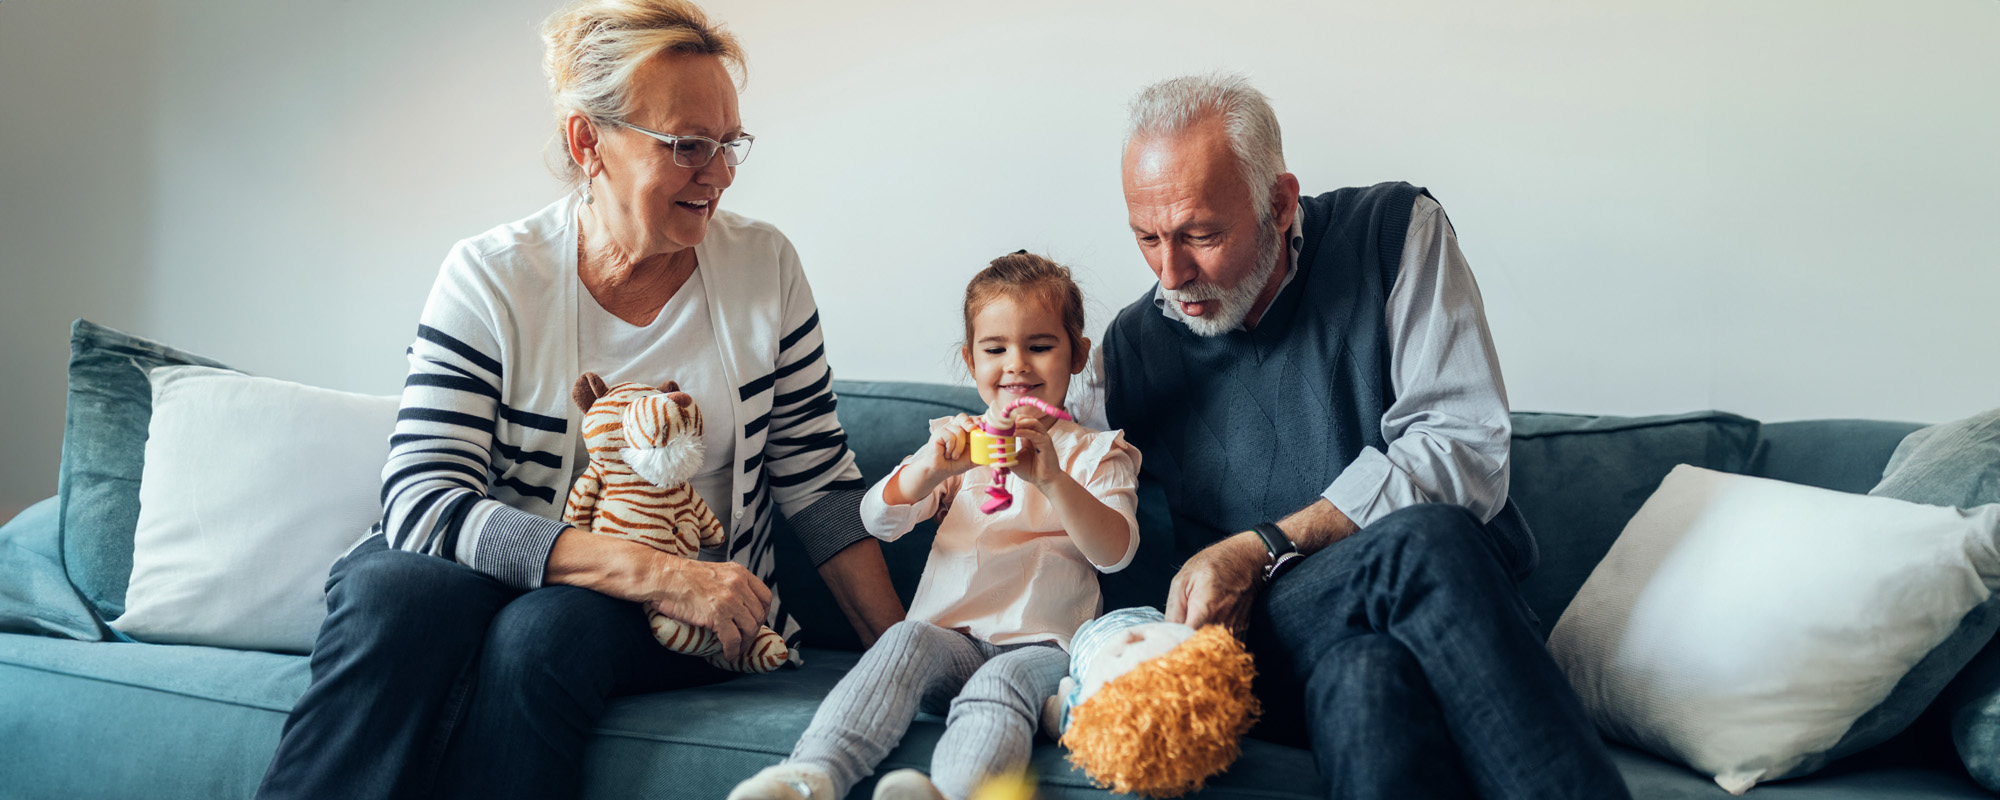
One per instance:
(1014,576)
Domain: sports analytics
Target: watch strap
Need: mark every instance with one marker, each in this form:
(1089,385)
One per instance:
(1279,547)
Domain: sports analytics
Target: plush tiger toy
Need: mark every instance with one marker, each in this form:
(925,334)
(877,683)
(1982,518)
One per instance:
(645,444)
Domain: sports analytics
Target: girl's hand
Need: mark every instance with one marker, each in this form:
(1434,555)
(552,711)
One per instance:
(1037,460)
(948,452)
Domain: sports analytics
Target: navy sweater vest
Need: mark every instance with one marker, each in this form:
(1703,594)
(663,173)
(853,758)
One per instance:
(1250,426)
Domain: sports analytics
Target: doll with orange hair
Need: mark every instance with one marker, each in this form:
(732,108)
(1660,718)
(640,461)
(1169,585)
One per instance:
(1152,707)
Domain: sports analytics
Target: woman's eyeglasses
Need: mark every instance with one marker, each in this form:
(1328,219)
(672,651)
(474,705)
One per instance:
(695,152)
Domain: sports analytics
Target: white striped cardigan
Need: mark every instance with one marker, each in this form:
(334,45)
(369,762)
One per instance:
(479,465)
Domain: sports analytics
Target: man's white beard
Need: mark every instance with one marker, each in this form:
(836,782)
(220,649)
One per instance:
(1234,304)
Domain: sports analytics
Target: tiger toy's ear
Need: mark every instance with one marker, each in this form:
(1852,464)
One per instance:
(588,388)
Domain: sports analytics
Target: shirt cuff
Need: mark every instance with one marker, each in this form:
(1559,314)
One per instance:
(830,524)
(1360,492)
(887,522)
(514,546)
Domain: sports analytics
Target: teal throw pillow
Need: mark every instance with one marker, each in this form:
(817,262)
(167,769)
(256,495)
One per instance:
(103,455)
(35,595)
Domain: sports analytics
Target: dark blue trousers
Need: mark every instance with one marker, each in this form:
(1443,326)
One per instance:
(431,679)
(1406,657)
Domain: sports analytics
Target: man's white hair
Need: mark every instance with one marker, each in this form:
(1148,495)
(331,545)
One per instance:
(1172,106)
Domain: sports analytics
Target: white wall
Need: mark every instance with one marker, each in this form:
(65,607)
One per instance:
(1782,209)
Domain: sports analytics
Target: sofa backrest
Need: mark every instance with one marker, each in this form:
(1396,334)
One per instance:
(1841,454)
(1576,478)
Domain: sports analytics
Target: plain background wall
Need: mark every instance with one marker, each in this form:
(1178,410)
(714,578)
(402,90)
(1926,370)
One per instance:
(1782,209)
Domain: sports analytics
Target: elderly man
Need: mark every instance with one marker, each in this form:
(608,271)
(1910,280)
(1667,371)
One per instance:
(1316,392)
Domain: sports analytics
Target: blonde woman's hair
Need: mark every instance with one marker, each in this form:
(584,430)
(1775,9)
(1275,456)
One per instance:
(593,47)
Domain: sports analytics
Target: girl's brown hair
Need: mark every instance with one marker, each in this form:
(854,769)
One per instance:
(1022,272)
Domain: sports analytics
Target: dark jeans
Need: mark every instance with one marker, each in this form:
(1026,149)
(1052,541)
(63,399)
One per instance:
(431,679)
(1407,658)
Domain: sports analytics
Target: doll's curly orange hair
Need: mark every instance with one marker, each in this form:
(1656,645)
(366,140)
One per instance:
(1166,727)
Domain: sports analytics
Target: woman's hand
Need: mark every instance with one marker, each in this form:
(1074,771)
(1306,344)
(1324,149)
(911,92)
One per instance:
(722,597)
(719,596)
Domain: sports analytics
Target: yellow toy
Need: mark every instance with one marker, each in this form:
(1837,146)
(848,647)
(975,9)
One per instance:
(1153,707)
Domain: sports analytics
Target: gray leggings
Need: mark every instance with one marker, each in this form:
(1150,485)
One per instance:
(994,695)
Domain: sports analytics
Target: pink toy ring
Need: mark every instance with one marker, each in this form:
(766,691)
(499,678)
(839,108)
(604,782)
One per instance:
(997,496)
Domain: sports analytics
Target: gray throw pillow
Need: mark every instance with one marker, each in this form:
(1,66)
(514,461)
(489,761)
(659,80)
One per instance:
(1958,464)
(1954,464)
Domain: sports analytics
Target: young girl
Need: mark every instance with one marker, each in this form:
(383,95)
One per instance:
(1003,592)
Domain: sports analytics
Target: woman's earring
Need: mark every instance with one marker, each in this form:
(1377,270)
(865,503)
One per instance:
(587,199)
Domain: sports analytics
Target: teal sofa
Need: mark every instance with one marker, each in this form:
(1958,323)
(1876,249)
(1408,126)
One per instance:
(112,720)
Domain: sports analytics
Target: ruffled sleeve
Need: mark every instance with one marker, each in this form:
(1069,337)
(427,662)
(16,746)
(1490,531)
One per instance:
(1108,467)
(889,522)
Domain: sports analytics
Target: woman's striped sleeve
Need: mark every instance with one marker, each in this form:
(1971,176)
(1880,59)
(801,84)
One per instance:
(811,472)
(435,485)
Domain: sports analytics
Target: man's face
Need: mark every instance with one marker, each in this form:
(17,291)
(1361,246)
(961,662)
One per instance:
(1196,224)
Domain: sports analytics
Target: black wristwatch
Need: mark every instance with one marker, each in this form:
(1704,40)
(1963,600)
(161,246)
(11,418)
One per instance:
(1283,554)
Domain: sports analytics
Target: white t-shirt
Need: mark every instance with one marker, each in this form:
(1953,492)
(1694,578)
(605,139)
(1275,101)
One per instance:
(678,345)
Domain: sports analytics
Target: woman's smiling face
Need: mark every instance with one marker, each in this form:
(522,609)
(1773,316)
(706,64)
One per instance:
(1019,349)
(659,206)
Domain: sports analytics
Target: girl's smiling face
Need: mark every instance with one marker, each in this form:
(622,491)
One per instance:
(1019,349)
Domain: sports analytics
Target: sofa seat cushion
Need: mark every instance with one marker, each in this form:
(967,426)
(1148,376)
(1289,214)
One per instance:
(101,719)
(700,742)
(1650,778)
(81,719)
(266,681)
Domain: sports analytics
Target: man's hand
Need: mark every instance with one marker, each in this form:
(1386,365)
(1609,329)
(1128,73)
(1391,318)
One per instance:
(1218,585)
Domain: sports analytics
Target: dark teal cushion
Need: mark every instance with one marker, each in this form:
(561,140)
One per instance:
(1845,455)
(35,595)
(103,455)
(1579,479)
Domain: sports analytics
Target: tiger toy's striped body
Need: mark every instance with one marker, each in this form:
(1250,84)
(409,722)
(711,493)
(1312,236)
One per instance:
(644,445)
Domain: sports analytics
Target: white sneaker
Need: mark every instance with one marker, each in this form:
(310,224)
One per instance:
(906,784)
(785,781)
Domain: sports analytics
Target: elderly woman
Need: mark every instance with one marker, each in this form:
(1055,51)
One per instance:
(472,641)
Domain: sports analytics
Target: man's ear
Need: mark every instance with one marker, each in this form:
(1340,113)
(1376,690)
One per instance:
(1284,200)
(1080,357)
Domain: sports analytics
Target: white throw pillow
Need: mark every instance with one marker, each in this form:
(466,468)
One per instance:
(1741,625)
(252,488)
